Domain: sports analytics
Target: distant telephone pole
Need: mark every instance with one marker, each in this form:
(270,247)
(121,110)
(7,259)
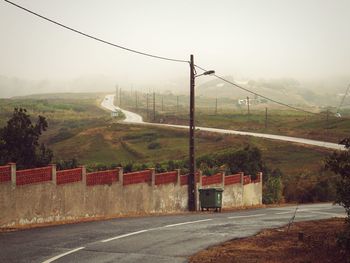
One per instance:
(177,104)
(216,106)
(266,118)
(248,105)
(162,103)
(136,100)
(327,123)
(120,97)
(154,106)
(147,105)
(116,94)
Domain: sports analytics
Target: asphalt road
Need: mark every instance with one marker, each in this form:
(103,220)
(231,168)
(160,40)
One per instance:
(131,117)
(149,239)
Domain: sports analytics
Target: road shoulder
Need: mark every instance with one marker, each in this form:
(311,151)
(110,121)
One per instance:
(309,241)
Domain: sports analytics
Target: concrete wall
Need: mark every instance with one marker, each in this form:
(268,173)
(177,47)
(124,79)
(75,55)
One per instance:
(48,202)
(252,194)
(232,196)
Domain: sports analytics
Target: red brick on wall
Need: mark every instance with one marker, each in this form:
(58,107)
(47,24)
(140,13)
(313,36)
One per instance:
(102,177)
(137,177)
(233,179)
(69,176)
(166,178)
(213,179)
(184,179)
(5,173)
(36,175)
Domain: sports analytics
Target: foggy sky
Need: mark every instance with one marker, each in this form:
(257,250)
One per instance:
(304,39)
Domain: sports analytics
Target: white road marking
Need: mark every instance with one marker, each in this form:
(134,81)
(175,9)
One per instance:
(234,217)
(190,222)
(292,211)
(186,223)
(327,213)
(63,254)
(126,235)
(151,229)
(283,213)
(122,236)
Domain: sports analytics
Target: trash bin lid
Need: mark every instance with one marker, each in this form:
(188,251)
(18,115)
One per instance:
(215,189)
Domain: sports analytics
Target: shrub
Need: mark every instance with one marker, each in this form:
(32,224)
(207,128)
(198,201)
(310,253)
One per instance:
(154,145)
(339,163)
(272,188)
(63,134)
(67,164)
(19,141)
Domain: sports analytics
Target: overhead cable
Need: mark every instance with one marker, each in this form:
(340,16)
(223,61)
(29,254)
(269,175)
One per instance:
(93,37)
(257,94)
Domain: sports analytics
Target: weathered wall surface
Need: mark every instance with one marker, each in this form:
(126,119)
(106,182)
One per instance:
(106,195)
(232,196)
(252,194)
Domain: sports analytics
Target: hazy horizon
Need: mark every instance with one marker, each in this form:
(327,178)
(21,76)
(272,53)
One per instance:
(302,40)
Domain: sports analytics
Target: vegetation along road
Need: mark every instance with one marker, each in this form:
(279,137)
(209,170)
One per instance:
(134,118)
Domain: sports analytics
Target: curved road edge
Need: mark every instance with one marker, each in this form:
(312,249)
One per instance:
(133,118)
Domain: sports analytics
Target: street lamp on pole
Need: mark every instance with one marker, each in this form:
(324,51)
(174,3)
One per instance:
(192,174)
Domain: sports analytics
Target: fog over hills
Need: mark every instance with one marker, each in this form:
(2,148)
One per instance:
(287,90)
(10,87)
(321,93)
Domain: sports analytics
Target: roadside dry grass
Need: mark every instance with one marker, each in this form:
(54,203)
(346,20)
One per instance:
(279,245)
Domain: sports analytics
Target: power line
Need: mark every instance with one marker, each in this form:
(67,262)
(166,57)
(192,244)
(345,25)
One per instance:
(257,94)
(153,56)
(94,38)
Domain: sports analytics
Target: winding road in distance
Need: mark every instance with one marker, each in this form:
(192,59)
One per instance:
(133,118)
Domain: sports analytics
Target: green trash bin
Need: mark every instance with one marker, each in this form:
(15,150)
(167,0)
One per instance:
(211,198)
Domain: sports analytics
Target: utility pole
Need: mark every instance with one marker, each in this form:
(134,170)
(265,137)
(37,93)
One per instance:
(266,118)
(327,123)
(191,176)
(154,106)
(116,94)
(248,105)
(147,105)
(216,106)
(120,97)
(177,104)
(162,103)
(136,102)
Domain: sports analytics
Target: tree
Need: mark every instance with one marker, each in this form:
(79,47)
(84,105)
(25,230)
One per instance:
(247,160)
(272,187)
(19,141)
(339,163)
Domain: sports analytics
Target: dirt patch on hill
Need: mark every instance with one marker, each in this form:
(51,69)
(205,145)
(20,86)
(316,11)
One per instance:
(310,241)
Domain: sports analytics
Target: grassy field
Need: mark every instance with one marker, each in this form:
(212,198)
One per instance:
(170,108)
(79,128)
(120,143)
(117,144)
(67,114)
